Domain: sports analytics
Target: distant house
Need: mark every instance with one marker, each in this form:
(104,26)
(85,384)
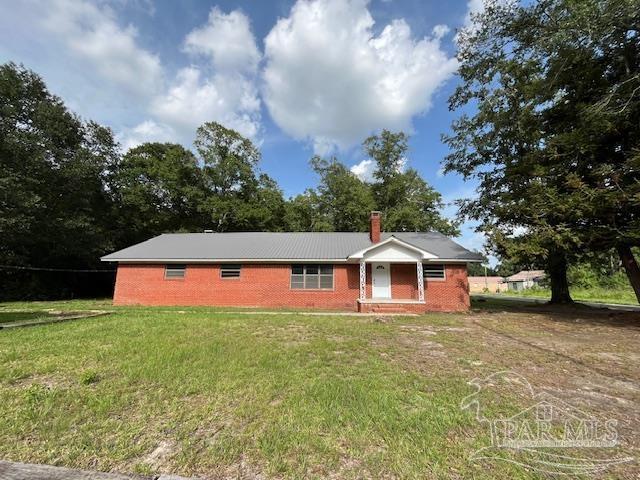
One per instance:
(525,279)
(487,284)
(374,271)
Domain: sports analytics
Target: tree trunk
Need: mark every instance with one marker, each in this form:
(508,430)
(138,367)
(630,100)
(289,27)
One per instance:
(557,265)
(631,267)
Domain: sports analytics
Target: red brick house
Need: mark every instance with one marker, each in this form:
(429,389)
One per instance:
(375,271)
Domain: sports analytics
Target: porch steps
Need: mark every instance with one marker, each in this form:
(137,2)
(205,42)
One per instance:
(389,308)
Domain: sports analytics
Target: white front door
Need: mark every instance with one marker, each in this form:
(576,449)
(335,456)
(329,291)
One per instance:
(381,280)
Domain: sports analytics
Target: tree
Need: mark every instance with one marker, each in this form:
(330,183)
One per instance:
(264,210)
(156,188)
(552,160)
(304,214)
(480,269)
(236,197)
(407,202)
(54,209)
(344,199)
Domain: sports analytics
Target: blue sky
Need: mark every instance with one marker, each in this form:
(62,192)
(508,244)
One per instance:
(298,77)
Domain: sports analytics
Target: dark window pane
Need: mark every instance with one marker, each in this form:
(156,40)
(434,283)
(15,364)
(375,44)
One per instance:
(326,269)
(311,269)
(230,270)
(297,269)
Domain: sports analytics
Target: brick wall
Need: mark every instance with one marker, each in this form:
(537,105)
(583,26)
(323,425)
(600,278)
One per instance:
(451,294)
(404,281)
(267,285)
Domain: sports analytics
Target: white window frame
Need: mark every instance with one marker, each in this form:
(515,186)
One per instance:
(230,267)
(426,266)
(176,266)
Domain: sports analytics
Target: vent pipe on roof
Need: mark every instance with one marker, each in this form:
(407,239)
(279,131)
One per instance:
(374,227)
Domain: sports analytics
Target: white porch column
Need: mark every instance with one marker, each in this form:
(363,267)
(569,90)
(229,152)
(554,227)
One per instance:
(363,279)
(420,281)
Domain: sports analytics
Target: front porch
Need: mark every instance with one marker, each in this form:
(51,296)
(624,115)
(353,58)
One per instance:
(392,277)
(393,286)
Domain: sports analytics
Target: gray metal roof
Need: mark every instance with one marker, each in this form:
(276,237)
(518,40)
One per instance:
(274,246)
(524,275)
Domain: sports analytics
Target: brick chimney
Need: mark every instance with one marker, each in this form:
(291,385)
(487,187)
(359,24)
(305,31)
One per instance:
(374,227)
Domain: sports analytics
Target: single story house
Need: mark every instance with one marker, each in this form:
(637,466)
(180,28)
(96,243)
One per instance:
(367,272)
(525,279)
(486,284)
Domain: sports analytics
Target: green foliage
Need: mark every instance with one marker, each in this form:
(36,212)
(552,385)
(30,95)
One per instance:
(304,214)
(54,210)
(235,197)
(405,199)
(156,188)
(343,198)
(479,270)
(343,202)
(555,139)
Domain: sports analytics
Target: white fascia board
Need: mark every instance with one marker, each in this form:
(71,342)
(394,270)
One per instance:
(425,255)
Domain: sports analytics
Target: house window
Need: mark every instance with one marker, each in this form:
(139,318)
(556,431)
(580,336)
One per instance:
(174,271)
(312,277)
(433,271)
(230,270)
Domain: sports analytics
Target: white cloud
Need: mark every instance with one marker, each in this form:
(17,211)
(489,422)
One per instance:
(364,170)
(440,31)
(229,94)
(220,84)
(93,34)
(147,131)
(474,7)
(228,40)
(228,98)
(329,79)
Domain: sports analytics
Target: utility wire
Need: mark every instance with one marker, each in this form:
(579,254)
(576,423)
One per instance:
(43,269)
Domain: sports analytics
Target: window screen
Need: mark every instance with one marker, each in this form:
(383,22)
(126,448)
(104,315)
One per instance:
(174,271)
(433,271)
(230,270)
(312,276)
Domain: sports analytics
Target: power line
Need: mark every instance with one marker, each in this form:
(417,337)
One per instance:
(45,269)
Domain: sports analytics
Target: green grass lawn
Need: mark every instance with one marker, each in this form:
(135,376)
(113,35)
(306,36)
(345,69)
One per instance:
(600,295)
(194,391)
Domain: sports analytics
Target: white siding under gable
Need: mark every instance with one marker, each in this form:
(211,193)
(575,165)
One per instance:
(392,252)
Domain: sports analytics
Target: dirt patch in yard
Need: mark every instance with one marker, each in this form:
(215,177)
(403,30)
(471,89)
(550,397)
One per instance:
(586,358)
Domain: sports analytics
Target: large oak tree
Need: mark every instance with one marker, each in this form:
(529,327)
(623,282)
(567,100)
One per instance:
(554,134)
